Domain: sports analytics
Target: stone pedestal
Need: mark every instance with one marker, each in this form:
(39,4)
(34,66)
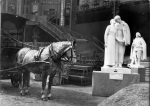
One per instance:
(114,69)
(141,71)
(106,83)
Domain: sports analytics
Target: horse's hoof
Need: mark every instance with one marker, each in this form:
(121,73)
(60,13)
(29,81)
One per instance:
(44,99)
(27,93)
(50,98)
(22,94)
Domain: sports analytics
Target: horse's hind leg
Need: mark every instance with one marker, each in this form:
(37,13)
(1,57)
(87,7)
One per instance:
(43,92)
(27,82)
(52,75)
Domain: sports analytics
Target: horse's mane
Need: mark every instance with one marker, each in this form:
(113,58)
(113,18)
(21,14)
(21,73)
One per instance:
(55,50)
(60,47)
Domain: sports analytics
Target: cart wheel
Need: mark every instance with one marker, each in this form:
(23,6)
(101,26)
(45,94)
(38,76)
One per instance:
(15,82)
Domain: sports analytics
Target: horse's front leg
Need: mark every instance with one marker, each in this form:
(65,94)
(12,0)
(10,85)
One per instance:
(43,92)
(20,74)
(52,75)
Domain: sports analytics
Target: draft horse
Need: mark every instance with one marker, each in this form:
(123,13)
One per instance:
(55,54)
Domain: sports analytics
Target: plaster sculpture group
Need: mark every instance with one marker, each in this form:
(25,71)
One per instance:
(117,37)
(113,75)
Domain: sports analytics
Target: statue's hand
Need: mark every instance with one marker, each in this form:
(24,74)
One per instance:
(133,45)
(120,40)
(105,44)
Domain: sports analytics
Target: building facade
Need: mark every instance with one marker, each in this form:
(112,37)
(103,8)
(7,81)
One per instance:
(87,17)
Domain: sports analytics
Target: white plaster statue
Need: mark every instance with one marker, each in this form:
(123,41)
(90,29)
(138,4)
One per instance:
(138,50)
(109,38)
(122,40)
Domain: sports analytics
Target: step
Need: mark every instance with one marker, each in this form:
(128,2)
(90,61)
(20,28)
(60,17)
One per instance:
(78,77)
(81,80)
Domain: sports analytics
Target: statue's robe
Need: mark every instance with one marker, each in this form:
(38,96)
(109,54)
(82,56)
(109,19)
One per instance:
(109,37)
(143,48)
(123,34)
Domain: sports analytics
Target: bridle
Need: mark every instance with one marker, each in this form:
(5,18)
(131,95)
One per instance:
(72,48)
(71,57)
(63,57)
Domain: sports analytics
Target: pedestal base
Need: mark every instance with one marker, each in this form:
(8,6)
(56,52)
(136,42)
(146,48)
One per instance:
(116,69)
(141,71)
(104,84)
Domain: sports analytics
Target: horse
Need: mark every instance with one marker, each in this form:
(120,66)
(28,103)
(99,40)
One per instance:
(55,53)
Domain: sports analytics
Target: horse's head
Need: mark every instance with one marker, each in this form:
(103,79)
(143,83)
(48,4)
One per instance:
(70,53)
(65,50)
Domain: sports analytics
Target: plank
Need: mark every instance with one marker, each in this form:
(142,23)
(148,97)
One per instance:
(32,66)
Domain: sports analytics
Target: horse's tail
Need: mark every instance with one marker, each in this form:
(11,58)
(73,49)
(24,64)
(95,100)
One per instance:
(20,56)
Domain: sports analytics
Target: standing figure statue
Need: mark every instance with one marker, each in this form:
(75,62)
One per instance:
(109,38)
(138,50)
(122,40)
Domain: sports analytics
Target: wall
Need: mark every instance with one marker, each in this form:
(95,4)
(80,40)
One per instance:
(43,36)
(90,29)
(46,7)
(141,24)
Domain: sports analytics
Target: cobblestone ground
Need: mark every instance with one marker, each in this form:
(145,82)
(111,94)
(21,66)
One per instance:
(64,95)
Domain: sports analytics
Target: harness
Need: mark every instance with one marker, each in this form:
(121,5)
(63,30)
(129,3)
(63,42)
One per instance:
(37,58)
(56,57)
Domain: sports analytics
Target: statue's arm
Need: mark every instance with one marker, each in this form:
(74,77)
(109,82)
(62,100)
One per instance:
(106,34)
(127,36)
(133,43)
(144,46)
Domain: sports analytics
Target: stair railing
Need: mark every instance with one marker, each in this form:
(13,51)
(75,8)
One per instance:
(54,29)
(93,39)
(62,32)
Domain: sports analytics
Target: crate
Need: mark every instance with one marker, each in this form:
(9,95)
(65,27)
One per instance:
(81,75)
(92,59)
(79,70)
(80,80)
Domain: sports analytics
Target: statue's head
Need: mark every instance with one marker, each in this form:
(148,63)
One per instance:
(117,18)
(112,21)
(138,34)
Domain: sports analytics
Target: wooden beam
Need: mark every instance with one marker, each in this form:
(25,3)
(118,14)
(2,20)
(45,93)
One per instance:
(0,34)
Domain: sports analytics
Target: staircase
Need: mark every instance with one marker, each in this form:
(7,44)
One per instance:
(48,27)
(63,33)
(59,32)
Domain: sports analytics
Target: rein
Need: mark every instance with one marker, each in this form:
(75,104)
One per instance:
(71,55)
(39,54)
(59,57)
(52,52)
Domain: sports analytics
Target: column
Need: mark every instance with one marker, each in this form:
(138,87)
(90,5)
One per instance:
(6,7)
(62,18)
(0,34)
(35,36)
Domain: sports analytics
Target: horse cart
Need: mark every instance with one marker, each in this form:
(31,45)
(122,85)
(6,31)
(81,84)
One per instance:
(13,73)
(7,62)
(9,48)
